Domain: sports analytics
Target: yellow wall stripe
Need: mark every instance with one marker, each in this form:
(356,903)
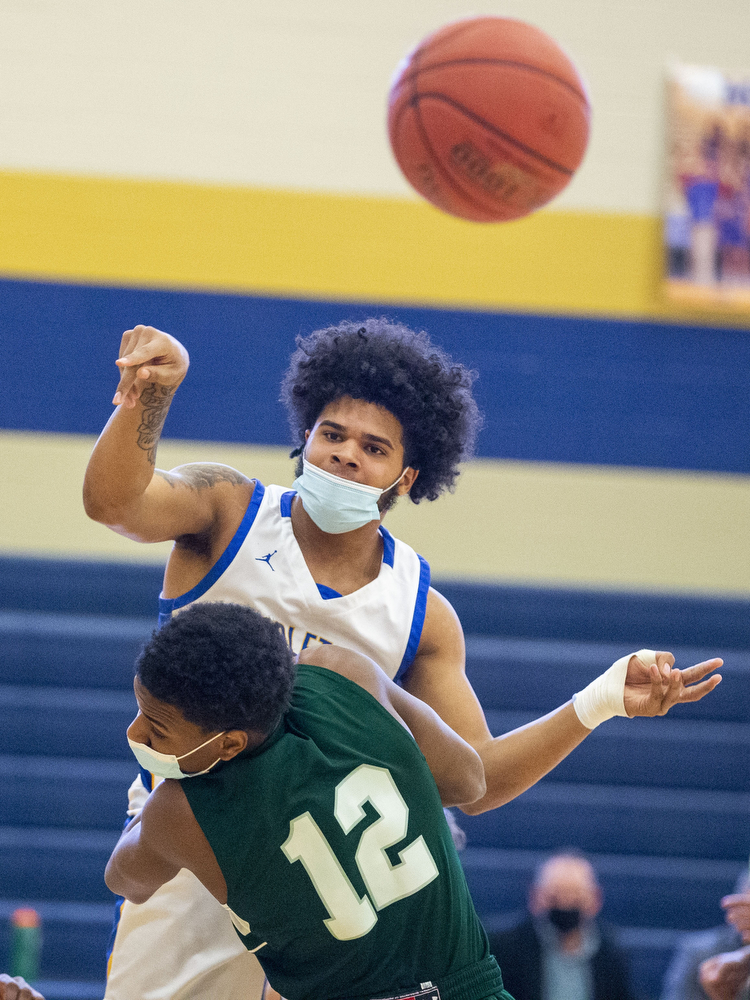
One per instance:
(508,522)
(95,230)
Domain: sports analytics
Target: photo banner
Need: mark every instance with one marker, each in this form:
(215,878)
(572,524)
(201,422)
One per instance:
(707,196)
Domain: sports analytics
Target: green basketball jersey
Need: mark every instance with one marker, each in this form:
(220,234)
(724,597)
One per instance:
(335,850)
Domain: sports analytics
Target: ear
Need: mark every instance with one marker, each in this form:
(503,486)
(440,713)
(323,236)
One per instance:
(307,436)
(408,481)
(597,901)
(234,741)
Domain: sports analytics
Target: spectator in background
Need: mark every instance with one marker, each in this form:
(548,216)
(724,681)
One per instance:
(727,976)
(560,951)
(683,978)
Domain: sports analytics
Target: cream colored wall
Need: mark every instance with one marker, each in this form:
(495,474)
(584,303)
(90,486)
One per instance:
(508,522)
(291,94)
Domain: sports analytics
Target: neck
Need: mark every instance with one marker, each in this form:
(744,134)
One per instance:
(571,941)
(344,562)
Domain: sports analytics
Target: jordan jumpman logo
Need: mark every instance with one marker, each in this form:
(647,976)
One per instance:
(267,559)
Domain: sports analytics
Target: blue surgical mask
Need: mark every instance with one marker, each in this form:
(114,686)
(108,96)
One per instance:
(335,504)
(166,765)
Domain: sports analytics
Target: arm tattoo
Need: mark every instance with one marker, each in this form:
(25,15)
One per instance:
(200,477)
(166,476)
(155,400)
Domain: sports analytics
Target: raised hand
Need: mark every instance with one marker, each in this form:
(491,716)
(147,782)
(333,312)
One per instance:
(652,689)
(147,356)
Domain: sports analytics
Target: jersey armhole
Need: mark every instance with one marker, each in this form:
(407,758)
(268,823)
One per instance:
(169,604)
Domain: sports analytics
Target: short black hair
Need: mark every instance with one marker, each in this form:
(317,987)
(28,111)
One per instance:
(401,370)
(224,666)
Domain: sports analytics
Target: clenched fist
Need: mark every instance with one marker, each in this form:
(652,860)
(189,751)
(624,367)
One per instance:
(148,355)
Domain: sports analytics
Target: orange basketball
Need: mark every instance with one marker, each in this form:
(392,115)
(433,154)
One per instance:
(488,118)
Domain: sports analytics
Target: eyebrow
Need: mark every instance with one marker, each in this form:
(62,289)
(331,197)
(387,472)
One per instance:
(154,722)
(369,437)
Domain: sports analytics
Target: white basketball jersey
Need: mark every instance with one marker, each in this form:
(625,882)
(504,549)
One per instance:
(263,567)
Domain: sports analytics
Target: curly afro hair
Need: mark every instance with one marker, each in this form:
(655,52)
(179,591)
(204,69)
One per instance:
(404,372)
(224,666)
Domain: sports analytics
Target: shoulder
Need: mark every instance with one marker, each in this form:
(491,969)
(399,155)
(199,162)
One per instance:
(204,475)
(441,624)
(166,804)
(347,663)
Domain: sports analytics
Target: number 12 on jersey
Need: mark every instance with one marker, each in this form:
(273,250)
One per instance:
(349,915)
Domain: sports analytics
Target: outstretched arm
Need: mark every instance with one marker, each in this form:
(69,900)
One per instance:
(455,766)
(515,761)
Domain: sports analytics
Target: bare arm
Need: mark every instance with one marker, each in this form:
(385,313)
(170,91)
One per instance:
(515,761)
(122,487)
(157,844)
(455,766)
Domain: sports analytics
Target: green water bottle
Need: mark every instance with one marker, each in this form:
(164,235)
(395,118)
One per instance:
(26,944)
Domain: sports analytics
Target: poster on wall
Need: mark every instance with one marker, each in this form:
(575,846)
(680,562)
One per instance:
(707,197)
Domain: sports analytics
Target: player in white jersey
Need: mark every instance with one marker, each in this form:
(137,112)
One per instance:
(378,412)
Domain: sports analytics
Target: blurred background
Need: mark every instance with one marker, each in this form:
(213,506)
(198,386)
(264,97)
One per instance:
(222,171)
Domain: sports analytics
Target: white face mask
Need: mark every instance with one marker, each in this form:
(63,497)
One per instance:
(337,505)
(166,765)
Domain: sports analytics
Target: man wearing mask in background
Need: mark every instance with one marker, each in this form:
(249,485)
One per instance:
(560,950)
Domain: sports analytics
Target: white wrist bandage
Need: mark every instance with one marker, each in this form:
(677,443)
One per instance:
(604,697)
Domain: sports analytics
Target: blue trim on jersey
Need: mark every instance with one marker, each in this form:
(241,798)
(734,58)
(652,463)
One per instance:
(417,622)
(148,779)
(285,504)
(168,604)
(327,593)
(389,546)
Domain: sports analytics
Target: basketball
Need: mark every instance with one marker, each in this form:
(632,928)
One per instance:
(488,118)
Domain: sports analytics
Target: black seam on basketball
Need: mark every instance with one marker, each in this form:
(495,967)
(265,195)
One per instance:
(435,160)
(498,132)
(432,43)
(498,62)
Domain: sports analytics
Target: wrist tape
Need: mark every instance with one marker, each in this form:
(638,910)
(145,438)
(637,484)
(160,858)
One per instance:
(604,697)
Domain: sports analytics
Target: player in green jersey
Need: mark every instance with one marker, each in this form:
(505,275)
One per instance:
(313,809)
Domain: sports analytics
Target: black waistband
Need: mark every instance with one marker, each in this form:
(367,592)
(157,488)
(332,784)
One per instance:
(482,979)
(474,982)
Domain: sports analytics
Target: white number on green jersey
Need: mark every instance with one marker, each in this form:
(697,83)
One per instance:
(349,915)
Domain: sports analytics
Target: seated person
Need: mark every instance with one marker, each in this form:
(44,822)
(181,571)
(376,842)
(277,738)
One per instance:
(727,976)
(560,949)
(682,980)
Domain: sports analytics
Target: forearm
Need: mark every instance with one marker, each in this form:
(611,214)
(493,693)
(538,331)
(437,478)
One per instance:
(515,761)
(455,765)
(123,461)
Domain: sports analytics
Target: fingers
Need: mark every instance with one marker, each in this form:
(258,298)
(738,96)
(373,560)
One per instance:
(148,355)
(696,673)
(697,691)
(17,989)
(664,662)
